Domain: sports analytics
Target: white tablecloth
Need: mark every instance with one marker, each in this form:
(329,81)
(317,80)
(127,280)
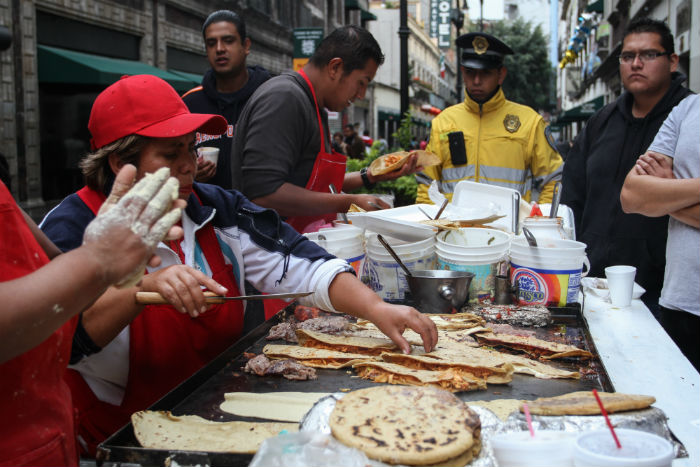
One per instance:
(641,358)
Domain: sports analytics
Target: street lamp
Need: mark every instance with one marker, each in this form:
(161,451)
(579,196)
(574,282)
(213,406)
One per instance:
(457,18)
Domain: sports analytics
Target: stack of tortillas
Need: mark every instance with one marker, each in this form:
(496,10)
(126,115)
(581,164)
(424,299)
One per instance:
(408,425)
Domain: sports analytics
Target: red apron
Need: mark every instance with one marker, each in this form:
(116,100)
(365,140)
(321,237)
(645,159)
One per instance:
(165,348)
(328,168)
(37,415)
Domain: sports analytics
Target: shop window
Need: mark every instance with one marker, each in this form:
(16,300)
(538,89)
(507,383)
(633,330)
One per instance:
(65,139)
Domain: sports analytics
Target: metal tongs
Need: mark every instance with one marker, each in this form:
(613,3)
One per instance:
(343,216)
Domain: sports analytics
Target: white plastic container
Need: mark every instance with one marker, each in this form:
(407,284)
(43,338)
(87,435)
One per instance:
(345,242)
(384,275)
(546,227)
(546,449)
(475,250)
(639,449)
(549,274)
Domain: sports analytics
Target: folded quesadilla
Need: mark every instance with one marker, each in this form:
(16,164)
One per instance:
(537,348)
(309,356)
(383,372)
(357,345)
(488,368)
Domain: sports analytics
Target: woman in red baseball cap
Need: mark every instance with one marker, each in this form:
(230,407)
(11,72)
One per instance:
(125,355)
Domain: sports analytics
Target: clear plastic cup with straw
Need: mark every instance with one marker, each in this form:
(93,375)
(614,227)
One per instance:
(621,447)
(541,448)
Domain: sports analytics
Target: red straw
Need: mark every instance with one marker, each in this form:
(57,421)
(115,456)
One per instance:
(607,420)
(526,409)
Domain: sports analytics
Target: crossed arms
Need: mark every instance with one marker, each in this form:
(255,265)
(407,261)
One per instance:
(652,190)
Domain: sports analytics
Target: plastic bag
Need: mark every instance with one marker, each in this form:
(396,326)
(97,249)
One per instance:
(307,449)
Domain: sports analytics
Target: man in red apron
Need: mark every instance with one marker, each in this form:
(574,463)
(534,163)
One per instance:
(41,300)
(282,156)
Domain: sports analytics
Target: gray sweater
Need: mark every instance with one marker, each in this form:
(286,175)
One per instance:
(277,137)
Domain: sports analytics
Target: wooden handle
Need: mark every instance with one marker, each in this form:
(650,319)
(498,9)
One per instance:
(154,298)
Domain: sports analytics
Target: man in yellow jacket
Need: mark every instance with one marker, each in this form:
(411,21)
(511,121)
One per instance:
(487,138)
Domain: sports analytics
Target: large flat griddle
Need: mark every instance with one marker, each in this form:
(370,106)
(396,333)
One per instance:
(203,392)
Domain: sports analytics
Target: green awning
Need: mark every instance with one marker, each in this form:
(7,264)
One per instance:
(352,4)
(367,16)
(68,66)
(189,76)
(581,112)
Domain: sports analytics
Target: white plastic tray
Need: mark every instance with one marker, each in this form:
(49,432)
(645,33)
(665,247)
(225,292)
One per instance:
(494,199)
(401,223)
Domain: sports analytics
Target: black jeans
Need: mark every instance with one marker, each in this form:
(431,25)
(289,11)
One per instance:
(684,329)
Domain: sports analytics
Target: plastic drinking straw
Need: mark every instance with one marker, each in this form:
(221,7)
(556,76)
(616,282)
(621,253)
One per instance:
(607,420)
(528,417)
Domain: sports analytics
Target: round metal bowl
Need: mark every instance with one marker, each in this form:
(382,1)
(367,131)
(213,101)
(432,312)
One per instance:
(439,291)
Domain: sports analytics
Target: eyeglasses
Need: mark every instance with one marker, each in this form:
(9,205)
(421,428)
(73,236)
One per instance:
(628,58)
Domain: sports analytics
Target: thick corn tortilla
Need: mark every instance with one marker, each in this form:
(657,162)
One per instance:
(162,430)
(584,403)
(405,425)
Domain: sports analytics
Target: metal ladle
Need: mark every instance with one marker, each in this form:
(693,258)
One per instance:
(394,255)
(529,237)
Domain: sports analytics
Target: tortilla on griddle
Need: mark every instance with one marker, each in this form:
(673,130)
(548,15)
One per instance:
(584,403)
(489,368)
(359,345)
(162,430)
(405,425)
(280,406)
(309,356)
(383,372)
(521,365)
(532,346)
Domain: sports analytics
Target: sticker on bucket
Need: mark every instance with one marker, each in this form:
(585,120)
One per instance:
(482,285)
(387,278)
(545,286)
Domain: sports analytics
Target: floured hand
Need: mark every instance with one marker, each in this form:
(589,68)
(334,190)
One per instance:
(132,221)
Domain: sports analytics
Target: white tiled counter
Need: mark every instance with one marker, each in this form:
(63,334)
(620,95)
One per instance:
(641,358)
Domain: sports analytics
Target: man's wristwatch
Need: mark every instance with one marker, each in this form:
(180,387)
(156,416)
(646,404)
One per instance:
(365,178)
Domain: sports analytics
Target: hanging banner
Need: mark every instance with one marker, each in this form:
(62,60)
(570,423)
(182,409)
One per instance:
(433,18)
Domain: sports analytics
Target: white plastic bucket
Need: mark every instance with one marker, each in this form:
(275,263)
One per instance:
(474,240)
(344,242)
(384,275)
(548,274)
(476,250)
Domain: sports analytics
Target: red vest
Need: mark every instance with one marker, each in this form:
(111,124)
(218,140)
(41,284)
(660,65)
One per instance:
(165,347)
(37,414)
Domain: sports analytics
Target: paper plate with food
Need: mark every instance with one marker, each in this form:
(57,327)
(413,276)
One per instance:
(394,161)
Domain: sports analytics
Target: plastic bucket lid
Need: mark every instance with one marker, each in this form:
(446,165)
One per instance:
(639,449)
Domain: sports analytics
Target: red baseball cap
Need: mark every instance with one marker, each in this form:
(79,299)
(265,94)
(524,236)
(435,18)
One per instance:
(148,106)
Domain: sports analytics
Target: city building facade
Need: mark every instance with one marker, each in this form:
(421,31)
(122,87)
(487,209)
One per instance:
(65,52)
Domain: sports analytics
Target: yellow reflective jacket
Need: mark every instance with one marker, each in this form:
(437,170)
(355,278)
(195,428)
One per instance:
(506,145)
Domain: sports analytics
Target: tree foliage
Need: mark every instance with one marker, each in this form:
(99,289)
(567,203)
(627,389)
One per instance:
(404,188)
(530,78)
